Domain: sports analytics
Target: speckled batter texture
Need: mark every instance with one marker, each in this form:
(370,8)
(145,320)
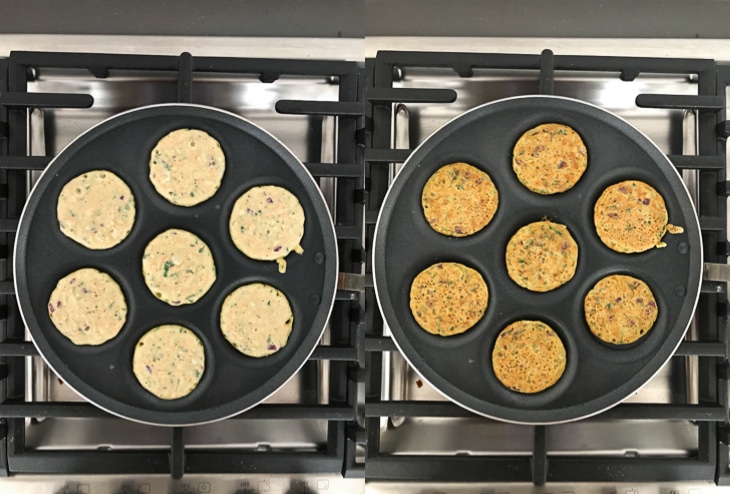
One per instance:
(630,217)
(550,158)
(96,209)
(459,200)
(178,267)
(267,223)
(169,361)
(542,256)
(448,298)
(187,167)
(87,307)
(620,309)
(257,319)
(528,357)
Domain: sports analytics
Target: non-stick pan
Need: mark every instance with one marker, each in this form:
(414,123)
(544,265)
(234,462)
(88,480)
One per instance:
(232,382)
(597,375)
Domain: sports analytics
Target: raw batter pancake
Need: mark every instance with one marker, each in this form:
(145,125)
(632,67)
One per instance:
(448,298)
(550,158)
(87,307)
(187,166)
(256,319)
(178,267)
(541,256)
(96,209)
(267,223)
(459,200)
(169,361)
(528,357)
(630,216)
(620,309)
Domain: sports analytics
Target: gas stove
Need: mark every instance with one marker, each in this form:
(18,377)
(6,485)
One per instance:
(671,436)
(304,438)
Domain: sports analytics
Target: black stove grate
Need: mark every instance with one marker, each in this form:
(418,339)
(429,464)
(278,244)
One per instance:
(710,463)
(345,355)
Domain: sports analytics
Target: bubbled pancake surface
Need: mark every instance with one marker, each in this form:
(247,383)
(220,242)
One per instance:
(550,158)
(459,200)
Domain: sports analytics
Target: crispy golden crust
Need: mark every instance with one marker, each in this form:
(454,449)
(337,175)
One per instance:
(459,200)
(448,298)
(620,309)
(550,158)
(528,357)
(541,256)
(630,216)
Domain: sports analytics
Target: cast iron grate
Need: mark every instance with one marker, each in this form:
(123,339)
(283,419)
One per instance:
(710,462)
(344,353)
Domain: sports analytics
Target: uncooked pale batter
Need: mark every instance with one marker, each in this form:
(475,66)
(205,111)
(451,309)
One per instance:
(256,319)
(96,209)
(87,307)
(187,167)
(178,267)
(267,223)
(169,361)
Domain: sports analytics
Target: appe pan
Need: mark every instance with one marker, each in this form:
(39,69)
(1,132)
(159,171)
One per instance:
(597,375)
(232,382)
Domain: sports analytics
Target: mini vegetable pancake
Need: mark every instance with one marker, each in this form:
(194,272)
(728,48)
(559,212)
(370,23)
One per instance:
(87,307)
(96,209)
(541,256)
(169,361)
(459,200)
(448,298)
(620,309)
(187,166)
(550,158)
(178,267)
(630,216)
(528,357)
(256,319)
(267,223)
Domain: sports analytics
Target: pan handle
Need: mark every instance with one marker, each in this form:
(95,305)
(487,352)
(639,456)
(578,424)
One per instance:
(712,271)
(352,282)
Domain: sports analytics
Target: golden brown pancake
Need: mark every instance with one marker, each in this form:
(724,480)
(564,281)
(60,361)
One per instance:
(448,298)
(87,307)
(541,256)
(459,200)
(631,216)
(96,209)
(257,319)
(169,361)
(528,357)
(620,309)
(187,166)
(550,158)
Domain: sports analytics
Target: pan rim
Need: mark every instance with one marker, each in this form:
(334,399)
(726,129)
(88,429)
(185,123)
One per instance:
(377,247)
(333,281)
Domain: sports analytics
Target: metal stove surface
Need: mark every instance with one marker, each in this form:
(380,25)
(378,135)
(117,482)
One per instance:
(675,132)
(50,131)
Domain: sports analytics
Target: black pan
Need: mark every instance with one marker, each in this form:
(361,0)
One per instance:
(597,375)
(232,382)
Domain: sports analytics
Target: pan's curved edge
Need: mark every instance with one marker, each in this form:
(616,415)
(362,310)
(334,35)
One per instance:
(330,281)
(378,263)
